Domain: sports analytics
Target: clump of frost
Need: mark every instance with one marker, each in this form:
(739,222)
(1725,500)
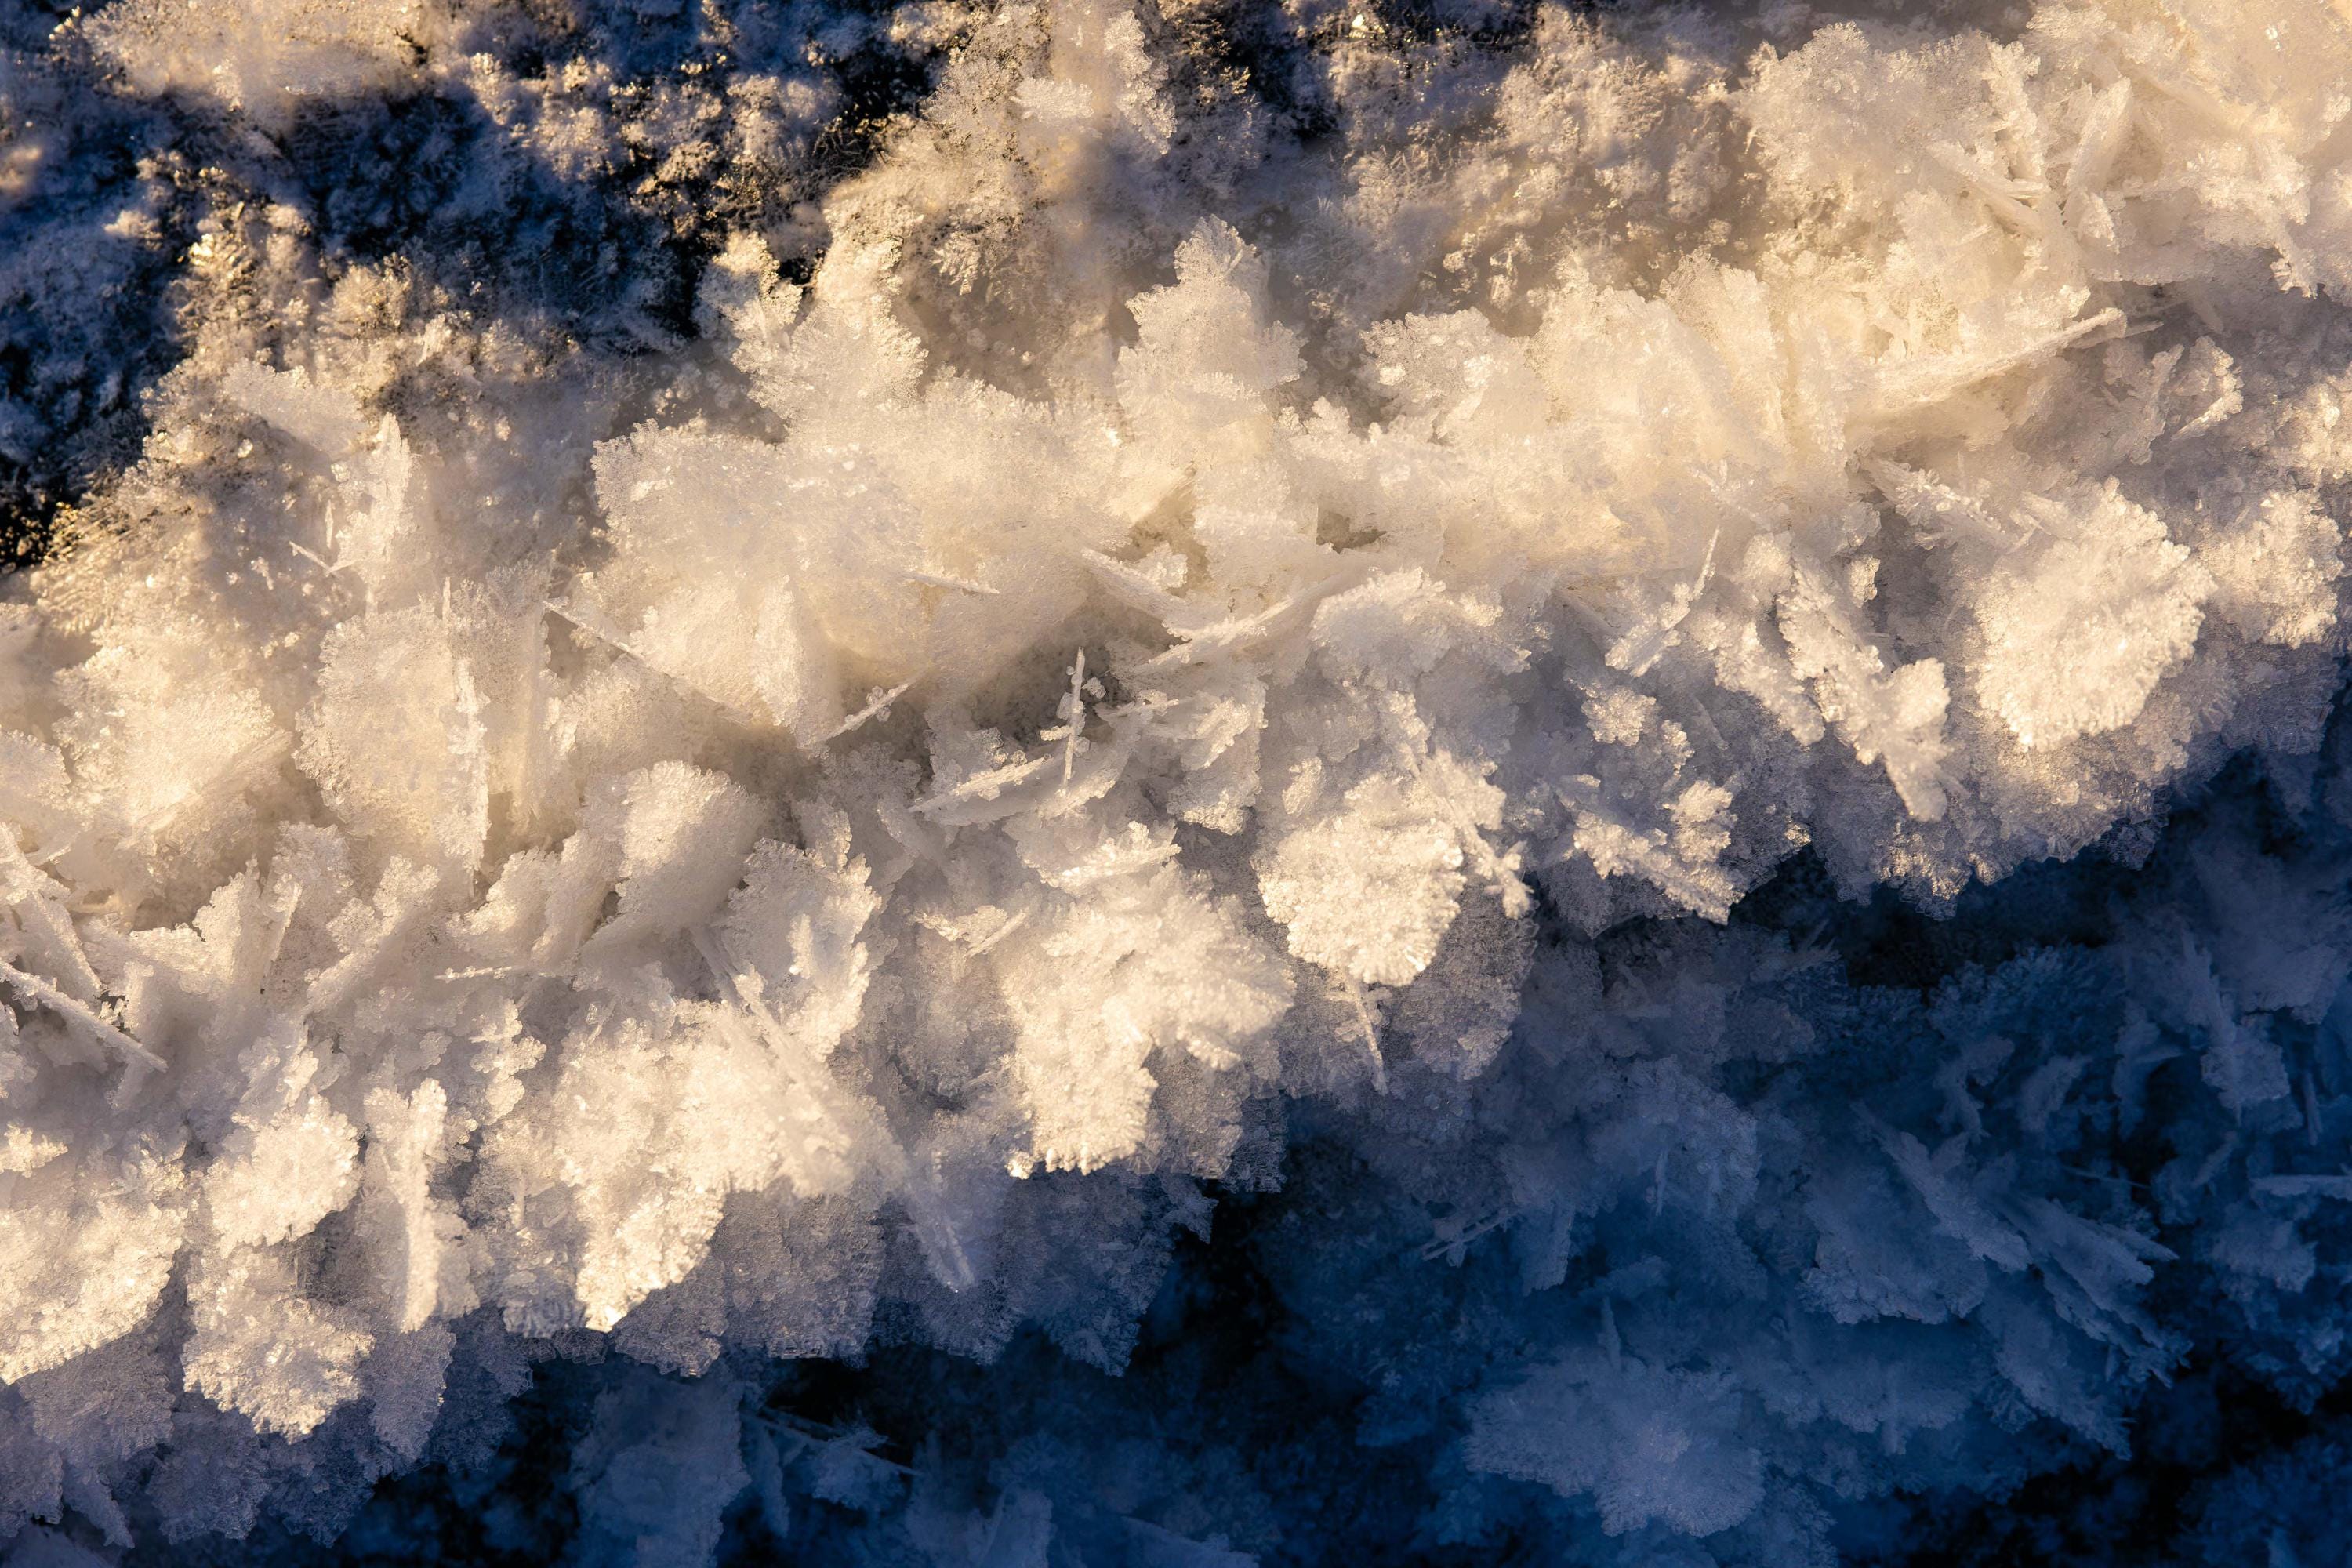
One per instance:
(269,58)
(1135,631)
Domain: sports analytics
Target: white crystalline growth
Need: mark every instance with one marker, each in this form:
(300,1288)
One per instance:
(1131,637)
(267,57)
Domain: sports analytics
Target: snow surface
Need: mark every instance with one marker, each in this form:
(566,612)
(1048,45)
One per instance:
(787,681)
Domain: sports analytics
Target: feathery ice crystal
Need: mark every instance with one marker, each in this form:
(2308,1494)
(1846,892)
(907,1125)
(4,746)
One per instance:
(1166,600)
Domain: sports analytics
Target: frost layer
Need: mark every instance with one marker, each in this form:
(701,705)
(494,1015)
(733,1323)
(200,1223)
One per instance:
(1132,636)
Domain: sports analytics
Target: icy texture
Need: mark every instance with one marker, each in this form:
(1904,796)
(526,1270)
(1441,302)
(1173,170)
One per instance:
(822,813)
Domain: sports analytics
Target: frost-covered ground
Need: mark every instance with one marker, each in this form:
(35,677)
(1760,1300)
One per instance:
(1094,783)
